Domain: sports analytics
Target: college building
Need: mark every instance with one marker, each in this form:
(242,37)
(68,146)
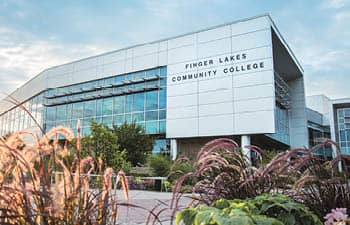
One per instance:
(239,80)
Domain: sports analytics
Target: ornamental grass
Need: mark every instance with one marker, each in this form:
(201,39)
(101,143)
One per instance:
(32,193)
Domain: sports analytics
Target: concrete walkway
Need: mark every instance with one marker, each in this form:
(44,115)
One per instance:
(157,202)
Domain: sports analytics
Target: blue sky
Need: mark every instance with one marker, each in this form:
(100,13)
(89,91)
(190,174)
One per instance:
(35,35)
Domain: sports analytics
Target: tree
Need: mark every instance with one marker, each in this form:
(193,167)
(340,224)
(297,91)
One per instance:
(160,164)
(133,139)
(103,143)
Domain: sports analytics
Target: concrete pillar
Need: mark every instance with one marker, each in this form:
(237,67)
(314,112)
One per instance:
(245,140)
(173,149)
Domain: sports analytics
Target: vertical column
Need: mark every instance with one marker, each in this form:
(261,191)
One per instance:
(173,148)
(245,140)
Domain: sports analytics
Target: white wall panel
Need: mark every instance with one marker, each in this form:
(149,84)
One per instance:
(185,89)
(128,65)
(251,79)
(251,40)
(215,84)
(181,101)
(129,53)
(145,49)
(146,61)
(215,97)
(163,46)
(216,125)
(182,54)
(182,41)
(254,122)
(177,69)
(212,109)
(250,25)
(257,91)
(84,75)
(56,71)
(114,68)
(183,112)
(252,105)
(187,127)
(214,34)
(162,58)
(213,48)
(85,64)
(114,56)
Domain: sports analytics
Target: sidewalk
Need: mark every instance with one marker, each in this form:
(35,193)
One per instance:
(148,200)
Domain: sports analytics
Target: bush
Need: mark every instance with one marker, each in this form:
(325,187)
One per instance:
(159,164)
(263,209)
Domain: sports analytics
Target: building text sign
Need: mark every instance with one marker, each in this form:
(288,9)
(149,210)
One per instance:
(236,63)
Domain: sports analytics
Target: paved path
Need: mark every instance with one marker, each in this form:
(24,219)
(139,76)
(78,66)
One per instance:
(148,200)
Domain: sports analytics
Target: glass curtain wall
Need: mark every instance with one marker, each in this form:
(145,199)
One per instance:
(136,97)
(343,129)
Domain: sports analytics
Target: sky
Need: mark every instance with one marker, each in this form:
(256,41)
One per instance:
(36,35)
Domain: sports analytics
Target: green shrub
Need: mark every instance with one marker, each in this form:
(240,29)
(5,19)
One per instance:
(264,209)
(159,164)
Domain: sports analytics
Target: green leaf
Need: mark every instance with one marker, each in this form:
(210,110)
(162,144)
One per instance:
(243,220)
(221,204)
(264,220)
(206,215)
(288,219)
(186,216)
(233,220)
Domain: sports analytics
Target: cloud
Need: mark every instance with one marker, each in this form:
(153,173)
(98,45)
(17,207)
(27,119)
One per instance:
(22,56)
(335,4)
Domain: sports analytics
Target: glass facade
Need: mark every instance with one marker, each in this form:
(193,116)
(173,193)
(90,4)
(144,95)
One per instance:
(18,119)
(138,97)
(281,125)
(343,129)
(316,131)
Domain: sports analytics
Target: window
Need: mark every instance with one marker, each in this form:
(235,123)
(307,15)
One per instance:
(152,100)
(51,113)
(128,103)
(162,127)
(162,99)
(128,118)
(152,127)
(139,102)
(163,72)
(139,75)
(119,119)
(119,104)
(61,112)
(90,108)
(77,111)
(138,117)
(160,145)
(153,72)
(108,120)
(99,104)
(347,112)
(152,115)
(162,114)
(107,106)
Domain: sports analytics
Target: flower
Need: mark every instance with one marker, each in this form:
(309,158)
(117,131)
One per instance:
(336,215)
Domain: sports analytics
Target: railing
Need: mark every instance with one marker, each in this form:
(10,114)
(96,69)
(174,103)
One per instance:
(135,183)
